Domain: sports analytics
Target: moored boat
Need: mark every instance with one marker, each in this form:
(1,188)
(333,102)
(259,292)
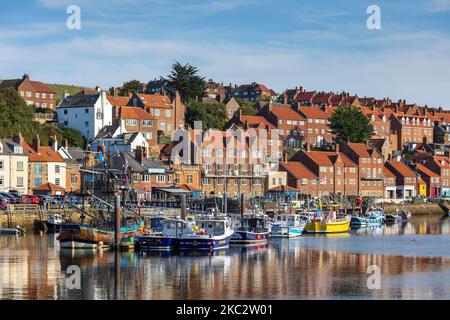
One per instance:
(373,217)
(253,230)
(287,226)
(165,240)
(75,236)
(53,223)
(319,224)
(208,234)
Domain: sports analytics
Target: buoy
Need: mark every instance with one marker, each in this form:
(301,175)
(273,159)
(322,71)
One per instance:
(57,237)
(100,243)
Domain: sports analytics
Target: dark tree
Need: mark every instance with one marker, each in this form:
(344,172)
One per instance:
(349,124)
(186,80)
(212,116)
(132,86)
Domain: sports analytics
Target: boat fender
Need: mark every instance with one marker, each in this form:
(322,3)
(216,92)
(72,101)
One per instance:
(57,238)
(100,243)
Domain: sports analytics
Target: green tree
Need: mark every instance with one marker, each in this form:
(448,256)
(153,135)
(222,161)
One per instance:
(132,86)
(247,107)
(349,124)
(212,116)
(186,80)
(74,137)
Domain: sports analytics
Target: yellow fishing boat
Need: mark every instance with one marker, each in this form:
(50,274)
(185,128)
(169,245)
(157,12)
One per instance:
(323,227)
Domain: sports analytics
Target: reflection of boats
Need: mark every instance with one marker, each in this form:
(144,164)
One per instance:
(253,230)
(208,234)
(205,253)
(54,222)
(84,237)
(371,218)
(287,225)
(358,229)
(17,231)
(166,239)
(319,224)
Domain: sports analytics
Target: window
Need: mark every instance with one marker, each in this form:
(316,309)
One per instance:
(65,111)
(1,165)
(44,96)
(131,122)
(86,123)
(163,126)
(146,178)
(168,114)
(1,180)
(57,181)
(57,168)
(37,95)
(37,182)
(157,113)
(147,123)
(22,94)
(38,168)
(189,179)
(147,135)
(161,178)
(86,110)
(28,94)
(73,178)
(19,182)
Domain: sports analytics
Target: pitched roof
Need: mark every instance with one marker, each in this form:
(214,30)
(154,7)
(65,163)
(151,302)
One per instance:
(313,113)
(361,149)
(155,101)
(118,101)
(401,169)
(8,147)
(424,170)
(107,132)
(257,121)
(46,154)
(15,83)
(135,113)
(298,170)
(305,96)
(49,187)
(286,113)
(80,100)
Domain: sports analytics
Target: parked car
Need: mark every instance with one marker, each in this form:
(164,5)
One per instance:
(30,199)
(11,198)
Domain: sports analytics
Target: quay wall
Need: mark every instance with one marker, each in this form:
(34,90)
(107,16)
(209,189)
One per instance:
(416,209)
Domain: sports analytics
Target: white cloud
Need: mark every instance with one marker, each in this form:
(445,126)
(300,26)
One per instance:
(440,6)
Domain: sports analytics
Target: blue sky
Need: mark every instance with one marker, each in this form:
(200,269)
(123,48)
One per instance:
(320,45)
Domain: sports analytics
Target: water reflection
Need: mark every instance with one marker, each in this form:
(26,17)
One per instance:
(323,267)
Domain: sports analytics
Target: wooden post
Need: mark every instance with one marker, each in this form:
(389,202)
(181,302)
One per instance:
(183,206)
(117,222)
(225,209)
(242,209)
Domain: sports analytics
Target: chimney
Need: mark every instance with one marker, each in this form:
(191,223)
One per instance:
(308,147)
(36,145)
(285,156)
(65,143)
(18,138)
(26,77)
(54,143)
(337,148)
(269,108)
(140,155)
(285,98)
(396,108)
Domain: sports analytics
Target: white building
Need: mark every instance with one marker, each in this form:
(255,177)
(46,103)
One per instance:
(13,167)
(115,139)
(88,112)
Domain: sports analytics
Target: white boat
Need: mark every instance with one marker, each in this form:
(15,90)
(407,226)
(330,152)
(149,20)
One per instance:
(373,217)
(287,225)
(209,233)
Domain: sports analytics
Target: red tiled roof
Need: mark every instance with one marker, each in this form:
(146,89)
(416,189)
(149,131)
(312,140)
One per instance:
(40,87)
(135,113)
(424,170)
(47,154)
(118,101)
(298,170)
(155,101)
(313,113)
(256,120)
(305,96)
(402,169)
(388,173)
(49,187)
(286,113)
(361,149)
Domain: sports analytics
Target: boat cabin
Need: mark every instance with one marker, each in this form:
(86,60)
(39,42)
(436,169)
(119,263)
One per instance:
(212,227)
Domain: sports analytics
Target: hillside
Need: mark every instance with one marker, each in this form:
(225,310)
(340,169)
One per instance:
(64,88)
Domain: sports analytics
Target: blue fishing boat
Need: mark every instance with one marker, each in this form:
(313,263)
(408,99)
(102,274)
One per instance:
(165,240)
(398,217)
(373,217)
(207,234)
(288,225)
(253,230)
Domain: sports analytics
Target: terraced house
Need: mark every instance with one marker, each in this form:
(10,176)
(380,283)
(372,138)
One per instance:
(33,92)
(13,166)
(45,165)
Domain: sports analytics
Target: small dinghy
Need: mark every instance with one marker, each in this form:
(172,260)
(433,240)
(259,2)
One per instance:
(17,231)
(399,217)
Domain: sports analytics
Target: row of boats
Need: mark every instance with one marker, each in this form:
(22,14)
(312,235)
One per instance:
(212,230)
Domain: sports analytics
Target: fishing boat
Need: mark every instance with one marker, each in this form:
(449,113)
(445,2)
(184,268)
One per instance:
(373,217)
(53,223)
(398,217)
(209,233)
(17,231)
(165,240)
(253,230)
(75,236)
(287,225)
(320,224)
(156,223)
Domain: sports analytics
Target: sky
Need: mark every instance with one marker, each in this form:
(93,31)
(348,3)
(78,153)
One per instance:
(317,44)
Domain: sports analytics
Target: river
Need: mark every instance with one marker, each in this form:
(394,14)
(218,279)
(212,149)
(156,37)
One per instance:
(413,262)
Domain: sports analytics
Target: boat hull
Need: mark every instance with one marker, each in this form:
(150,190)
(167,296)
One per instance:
(366,221)
(156,243)
(52,227)
(316,227)
(204,243)
(84,237)
(248,237)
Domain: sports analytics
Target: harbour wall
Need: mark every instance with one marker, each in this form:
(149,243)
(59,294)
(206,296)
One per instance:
(416,209)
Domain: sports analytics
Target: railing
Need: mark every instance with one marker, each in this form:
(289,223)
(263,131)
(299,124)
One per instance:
(45,116)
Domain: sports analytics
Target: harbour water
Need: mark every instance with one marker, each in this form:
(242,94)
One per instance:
(414,262)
